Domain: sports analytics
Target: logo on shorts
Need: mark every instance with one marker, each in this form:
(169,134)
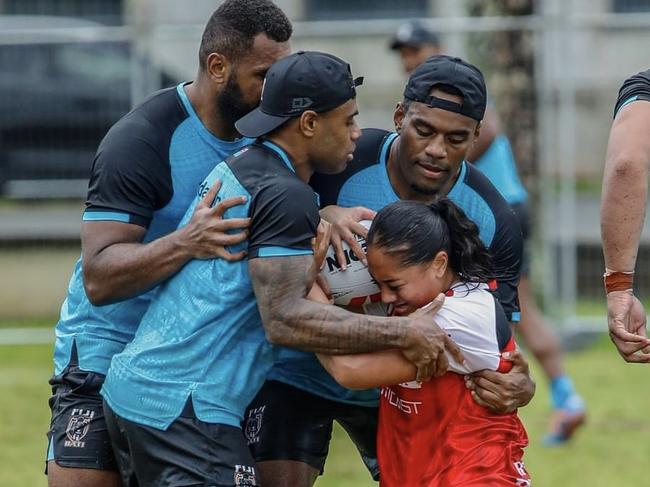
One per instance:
(245,476)
(524,478)
(78,427)
(254,424)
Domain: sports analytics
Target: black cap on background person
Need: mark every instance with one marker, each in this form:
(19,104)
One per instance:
(414,42)
(306,80)
(413,34)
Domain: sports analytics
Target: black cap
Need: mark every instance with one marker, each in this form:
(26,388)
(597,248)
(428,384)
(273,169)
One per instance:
(413,34)
(299,82)
(454,72)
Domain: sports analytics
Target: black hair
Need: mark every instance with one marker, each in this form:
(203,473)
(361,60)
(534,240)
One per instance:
(233,26)
(414,232)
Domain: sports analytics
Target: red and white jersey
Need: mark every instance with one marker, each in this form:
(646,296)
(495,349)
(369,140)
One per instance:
(433,433)
(475,321)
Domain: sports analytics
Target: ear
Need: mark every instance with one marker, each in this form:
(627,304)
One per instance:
(477,131)
(440,263)
(218,68)
(308,123)
(398,116)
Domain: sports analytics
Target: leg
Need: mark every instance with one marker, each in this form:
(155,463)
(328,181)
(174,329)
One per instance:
(360,422)
(569,410)
(538,337)
(79,449)
(543,344)
(121,448)
(80,477)
(286,473)
(288,432)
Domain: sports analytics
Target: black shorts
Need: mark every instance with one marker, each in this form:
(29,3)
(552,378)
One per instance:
(78,437)
(190,452)
(522,213)
(286,423)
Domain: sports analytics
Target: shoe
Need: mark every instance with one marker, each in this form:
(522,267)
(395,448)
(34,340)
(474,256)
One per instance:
(565,421)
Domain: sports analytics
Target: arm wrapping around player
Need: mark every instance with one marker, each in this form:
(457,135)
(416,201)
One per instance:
(281,285)
(129,182)
(368,370)
(290,319)
(117,265)
(387,367)
(364,371)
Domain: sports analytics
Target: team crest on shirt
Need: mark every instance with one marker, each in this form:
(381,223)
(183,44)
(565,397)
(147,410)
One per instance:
(254,424)
(245,476)
(78,427)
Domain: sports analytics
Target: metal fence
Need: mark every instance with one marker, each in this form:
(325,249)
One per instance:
(580,59)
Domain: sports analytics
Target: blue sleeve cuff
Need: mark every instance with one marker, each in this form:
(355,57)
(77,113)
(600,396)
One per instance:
(100,215)
(92,216)
(282,252)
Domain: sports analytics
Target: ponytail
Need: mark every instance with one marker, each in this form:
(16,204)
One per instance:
(468,255)
(414,233)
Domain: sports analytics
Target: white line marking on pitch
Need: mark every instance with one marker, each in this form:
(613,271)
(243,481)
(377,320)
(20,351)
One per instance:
(26,336)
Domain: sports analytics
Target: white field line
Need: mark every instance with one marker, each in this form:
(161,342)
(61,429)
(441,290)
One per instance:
(26,336)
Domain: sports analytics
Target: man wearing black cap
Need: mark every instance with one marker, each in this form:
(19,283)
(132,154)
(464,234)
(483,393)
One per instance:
(143,177)
(437,122)
(493,156)
(415,43)
(174,398)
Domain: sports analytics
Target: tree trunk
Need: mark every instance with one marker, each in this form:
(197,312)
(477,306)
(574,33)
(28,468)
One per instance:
(507,61)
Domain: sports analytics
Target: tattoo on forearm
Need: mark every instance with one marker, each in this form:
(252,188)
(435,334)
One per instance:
(281,284)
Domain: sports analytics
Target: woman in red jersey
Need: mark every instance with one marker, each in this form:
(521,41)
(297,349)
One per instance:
(433,433)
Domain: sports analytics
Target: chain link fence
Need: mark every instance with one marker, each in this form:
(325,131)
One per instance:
(553,71)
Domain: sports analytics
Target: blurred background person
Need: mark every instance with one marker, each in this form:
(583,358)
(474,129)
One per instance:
(415,42)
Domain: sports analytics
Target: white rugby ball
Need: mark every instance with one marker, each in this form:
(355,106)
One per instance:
(353,286)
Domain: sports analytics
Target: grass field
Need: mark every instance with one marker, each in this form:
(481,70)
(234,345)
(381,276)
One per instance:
(612,450)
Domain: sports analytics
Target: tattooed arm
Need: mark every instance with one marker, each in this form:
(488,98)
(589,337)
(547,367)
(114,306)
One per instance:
(281,285)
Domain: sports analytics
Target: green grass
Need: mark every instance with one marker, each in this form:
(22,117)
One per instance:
(24,371)
(618,428)
(612,450)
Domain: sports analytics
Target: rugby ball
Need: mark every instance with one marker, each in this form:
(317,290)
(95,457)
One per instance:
(353,286)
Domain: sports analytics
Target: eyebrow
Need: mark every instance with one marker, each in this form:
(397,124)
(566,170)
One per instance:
(420,121)
(391,281)
(354,114)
